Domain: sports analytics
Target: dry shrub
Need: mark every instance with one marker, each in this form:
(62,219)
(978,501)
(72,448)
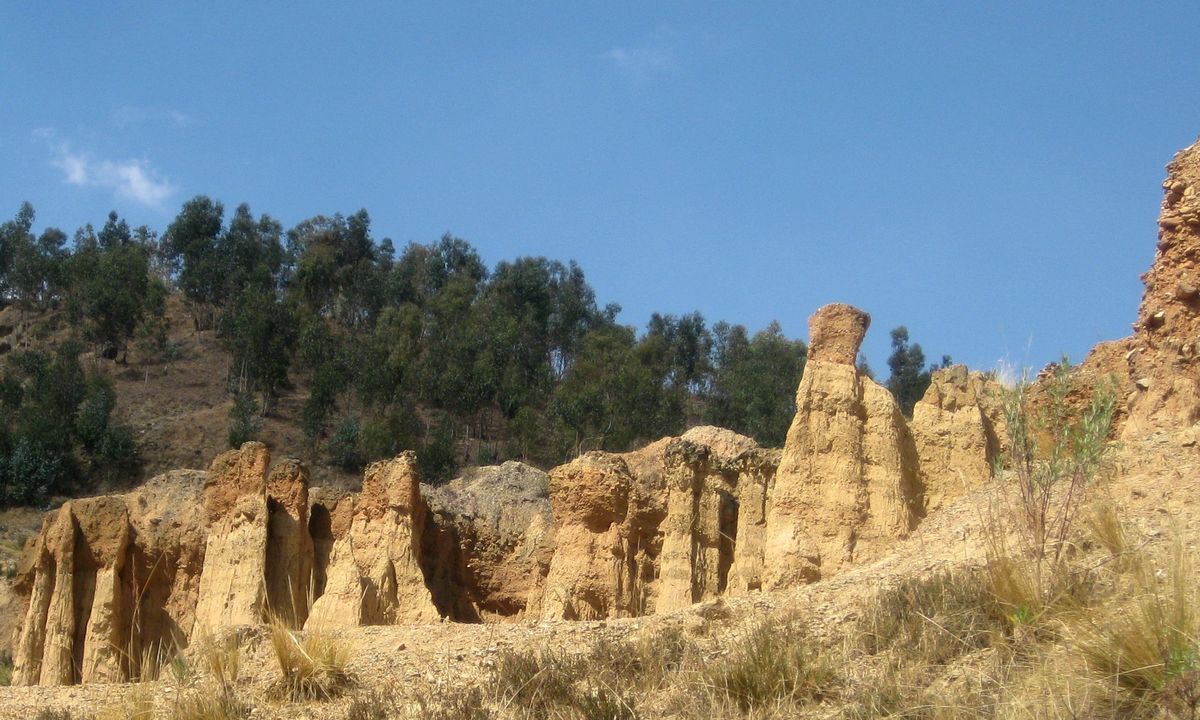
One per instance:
(546,683)
(200,704)
(312,665)
(136,704)
(48,714)
(641,664)
(932,619)
(1104,526)
(456,703)
(221,657)
(1150,644)
(770,665)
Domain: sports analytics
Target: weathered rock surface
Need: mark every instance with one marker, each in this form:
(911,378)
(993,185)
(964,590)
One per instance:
(232,589)
(955,438)
(374,575)
(488,544)
(847,483)
(1164,360)
(290,551)
(110,580)
(591,574)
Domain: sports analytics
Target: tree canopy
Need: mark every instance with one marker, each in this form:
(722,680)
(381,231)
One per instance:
(424,348)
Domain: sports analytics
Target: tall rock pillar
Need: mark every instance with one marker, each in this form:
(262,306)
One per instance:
(847,479)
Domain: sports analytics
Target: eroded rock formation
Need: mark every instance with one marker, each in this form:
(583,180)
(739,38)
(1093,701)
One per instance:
(954,428)
(1164,354)
(591,575)
(679,521)
(110,581)
(489,541)
(232,590)
(374,574)
(847,483)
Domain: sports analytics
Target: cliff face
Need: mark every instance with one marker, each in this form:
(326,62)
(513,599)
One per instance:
(954,427)
(110,580)
(680,521)
(1163,357)
(374,575)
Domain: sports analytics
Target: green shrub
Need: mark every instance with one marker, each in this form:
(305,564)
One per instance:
(244,420)
(343,446)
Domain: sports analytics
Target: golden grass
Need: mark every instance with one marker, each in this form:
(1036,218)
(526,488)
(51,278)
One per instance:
(1153,637)
(311,665)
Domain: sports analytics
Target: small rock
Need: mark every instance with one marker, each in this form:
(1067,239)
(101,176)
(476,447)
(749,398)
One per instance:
(1142,383)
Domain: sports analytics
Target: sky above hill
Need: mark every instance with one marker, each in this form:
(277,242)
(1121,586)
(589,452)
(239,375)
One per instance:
(988,176)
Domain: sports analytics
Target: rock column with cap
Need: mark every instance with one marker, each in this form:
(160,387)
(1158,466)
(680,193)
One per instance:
(847,479)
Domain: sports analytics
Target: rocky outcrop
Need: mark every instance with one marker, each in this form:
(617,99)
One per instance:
(659,528)
(755,470)
(110,581)
(1163,360)
(847,483)
(290,550)
(592,574)
(79,611)
(232,589)
(374,575)
(701,529)
(955,436)
(487,546)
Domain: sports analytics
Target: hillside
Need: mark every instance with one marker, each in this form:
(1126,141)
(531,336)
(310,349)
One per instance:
(1022,551)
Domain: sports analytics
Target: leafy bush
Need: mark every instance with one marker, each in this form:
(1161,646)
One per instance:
(244,420)
(437,459)
(1055,452)
(343,446)
(32,472)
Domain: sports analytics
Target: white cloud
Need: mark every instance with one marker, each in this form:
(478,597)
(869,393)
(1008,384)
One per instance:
(133,179)
(652,56)
(127,115)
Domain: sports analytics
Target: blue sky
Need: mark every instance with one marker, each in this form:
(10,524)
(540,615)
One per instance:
(986,174)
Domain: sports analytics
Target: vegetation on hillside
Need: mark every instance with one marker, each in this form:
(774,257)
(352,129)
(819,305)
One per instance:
(424,349)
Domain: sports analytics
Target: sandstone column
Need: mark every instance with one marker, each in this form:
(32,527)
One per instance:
(592,572)
(846,483)
(374,576)
(232,588)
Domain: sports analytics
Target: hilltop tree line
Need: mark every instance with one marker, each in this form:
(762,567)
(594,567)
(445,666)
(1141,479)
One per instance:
(424,349)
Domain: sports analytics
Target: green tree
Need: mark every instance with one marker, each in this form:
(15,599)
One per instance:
(111,288)
(13,235)
(909,378)
(259,333)
(754,381)
(244,420)
(614,395)
(191,245)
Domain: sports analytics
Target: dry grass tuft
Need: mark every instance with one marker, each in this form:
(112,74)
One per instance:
(47,714)
(137,704)
(1152,641)
(771,665)
(221,658)
(312,665)
(1104,525)
(934,619)
(198,704)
